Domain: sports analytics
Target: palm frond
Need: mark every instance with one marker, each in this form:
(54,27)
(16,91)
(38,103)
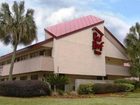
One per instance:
(21,8)
(16,27)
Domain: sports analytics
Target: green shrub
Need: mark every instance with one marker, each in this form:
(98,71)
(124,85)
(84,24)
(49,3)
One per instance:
(120,81)
(112,88)
(100,88)
(85,89)
(27,88)
(105,88)
(127,87)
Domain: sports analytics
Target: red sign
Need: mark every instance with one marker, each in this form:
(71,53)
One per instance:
(97,43)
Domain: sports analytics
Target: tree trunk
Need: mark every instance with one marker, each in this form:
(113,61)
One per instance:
(12,62)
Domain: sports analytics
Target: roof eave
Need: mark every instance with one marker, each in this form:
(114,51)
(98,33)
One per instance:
(27,48)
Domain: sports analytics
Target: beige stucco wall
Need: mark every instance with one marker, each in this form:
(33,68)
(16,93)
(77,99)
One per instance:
(30,65)
(74,55)
(49,44)
(113,48)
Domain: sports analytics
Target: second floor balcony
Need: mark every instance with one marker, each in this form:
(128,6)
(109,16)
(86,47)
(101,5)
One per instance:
(39,63)
(117,70)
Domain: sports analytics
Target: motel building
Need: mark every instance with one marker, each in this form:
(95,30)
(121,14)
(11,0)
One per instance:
(82,49)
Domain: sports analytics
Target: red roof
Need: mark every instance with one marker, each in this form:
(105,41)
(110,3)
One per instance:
(73,25)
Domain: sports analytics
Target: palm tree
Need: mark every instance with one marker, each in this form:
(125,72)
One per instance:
(16,28)
(56,81)
(132,42)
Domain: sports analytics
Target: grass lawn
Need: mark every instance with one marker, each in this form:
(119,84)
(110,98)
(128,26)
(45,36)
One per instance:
(129,99)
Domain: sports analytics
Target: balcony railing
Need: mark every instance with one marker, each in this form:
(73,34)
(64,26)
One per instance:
(40,63)
(117,70)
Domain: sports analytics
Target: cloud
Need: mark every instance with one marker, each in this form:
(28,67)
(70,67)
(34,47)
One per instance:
(55,4)
(61,15)
(117,26)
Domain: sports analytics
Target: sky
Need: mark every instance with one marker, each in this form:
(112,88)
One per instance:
(119,15)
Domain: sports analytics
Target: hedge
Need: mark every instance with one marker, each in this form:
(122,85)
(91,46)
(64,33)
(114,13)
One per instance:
(100,88)
(133,82)
(107,88)
(112,88)
(127,87)
(24,88)
(85,89)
